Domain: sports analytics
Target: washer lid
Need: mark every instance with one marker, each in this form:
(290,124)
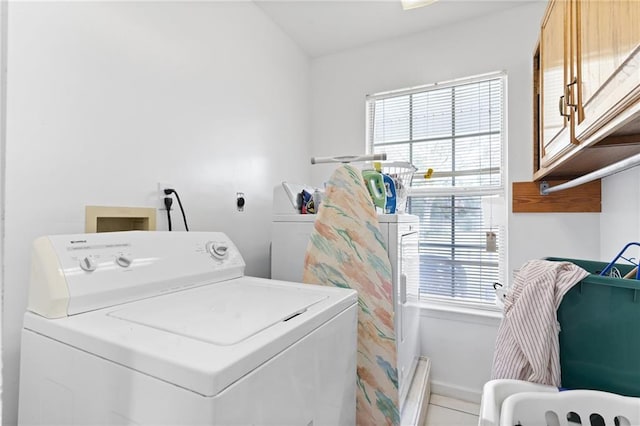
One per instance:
(202,339)
(226,316)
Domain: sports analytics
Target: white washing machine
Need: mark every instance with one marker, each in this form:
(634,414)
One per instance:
(289,238)
(142,328)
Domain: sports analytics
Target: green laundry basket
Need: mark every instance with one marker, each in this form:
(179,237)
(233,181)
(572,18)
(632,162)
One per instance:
(600,332)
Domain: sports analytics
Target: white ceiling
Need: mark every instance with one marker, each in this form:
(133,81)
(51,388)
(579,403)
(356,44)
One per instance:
(323,27)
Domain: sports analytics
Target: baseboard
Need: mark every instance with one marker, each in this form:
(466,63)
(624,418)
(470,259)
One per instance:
(417,401)
(457,392)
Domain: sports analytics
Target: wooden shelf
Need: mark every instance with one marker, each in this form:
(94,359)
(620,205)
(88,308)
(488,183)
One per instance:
(581,199)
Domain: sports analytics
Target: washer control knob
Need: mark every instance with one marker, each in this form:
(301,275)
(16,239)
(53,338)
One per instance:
(217,250)
(88,264)
(123,261)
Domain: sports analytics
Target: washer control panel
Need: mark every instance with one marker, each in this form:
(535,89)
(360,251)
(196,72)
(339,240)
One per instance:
(90,271)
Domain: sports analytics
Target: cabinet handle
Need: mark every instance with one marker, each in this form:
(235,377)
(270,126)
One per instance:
(568,93)
(561,108)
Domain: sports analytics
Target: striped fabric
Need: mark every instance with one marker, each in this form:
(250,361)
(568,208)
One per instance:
(527,345)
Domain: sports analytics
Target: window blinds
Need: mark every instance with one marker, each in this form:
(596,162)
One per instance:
(457,130)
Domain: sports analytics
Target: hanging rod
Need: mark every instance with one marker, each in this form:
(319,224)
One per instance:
(609,170)
(349,158)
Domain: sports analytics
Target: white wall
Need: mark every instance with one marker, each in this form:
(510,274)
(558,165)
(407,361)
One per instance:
(501,41)
(105,100)
(460,346)
(620,217)
(3,111)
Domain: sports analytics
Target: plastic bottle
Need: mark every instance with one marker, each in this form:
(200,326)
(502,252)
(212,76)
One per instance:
(317,199)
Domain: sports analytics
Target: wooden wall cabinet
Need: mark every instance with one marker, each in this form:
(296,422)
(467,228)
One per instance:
(607,36)
(554,74)
(586,93)
(586,87)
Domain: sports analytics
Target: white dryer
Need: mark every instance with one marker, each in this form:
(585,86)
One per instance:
(289,238)
(163,328)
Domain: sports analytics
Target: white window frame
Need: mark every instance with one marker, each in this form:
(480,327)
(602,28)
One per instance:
(500,190)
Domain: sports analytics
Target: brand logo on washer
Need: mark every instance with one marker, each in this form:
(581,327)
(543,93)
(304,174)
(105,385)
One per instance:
(78,241)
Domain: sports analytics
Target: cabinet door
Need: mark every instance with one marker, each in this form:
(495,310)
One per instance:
(554,74)
(607,35)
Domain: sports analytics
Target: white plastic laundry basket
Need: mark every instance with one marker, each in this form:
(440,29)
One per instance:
(585,407)
(516,403)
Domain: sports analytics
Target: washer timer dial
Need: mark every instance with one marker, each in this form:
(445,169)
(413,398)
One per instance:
(217,250)
(123,261)
(88,264)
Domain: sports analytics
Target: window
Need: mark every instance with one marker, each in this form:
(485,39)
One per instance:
(457,129)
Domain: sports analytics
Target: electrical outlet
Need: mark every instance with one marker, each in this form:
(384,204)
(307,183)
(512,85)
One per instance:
(161,194)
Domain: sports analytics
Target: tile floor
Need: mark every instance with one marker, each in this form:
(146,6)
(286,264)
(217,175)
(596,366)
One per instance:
(445,411)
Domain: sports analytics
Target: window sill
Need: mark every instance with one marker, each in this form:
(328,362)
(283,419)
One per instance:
(459,312)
